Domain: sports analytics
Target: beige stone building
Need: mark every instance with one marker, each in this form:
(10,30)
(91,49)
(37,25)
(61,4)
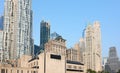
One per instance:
(74,54)
(10,69)
(52,60)
(92,47)
(73,60)
(74,67)
(18,66)
(71,54)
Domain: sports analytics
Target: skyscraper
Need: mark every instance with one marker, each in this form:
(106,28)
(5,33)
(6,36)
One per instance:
(1,22)
(92,53)
(1,47)
(113,62)
(44,33)
(82,47)
(1,38)
(17,28)
(104,61)
(36,50)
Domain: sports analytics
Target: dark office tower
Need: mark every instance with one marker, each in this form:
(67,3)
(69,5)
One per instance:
(44,33)
(36,50)
(1,22)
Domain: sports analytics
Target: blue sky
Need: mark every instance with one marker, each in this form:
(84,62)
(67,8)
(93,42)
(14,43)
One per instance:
(69,17)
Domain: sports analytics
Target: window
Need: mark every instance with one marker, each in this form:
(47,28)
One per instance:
(75,67)
(6,71)
(27,71)
(37,62)
(80,68)
(34,63)
(2,70)
(55,56)
(17,71)
(21,71)
(69,66)
(34,72)
(11,71)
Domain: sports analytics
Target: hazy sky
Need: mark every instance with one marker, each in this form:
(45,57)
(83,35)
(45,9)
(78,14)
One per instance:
(69,17)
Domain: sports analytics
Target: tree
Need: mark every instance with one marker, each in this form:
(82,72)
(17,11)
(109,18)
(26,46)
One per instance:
(91,71)
(103,71)
(118,71)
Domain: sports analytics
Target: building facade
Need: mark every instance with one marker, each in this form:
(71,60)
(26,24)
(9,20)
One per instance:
(113,63)
(1,46)
(92,53)
(51,60)
(17,29)
(74,63)
(73,54)
(44,33)
(22,66)
(61,60)
(74,67)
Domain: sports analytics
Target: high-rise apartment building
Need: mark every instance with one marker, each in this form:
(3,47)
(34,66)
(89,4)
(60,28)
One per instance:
(17,28)
(44,33)
(92,53)
(1,46)
(113,63)
(82,48)
(1,38)
(1,22)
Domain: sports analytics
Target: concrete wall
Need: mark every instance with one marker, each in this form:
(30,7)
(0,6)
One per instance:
(55,65)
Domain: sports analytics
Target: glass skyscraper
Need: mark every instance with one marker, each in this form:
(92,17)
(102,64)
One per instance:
(44,33)
(1,22)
